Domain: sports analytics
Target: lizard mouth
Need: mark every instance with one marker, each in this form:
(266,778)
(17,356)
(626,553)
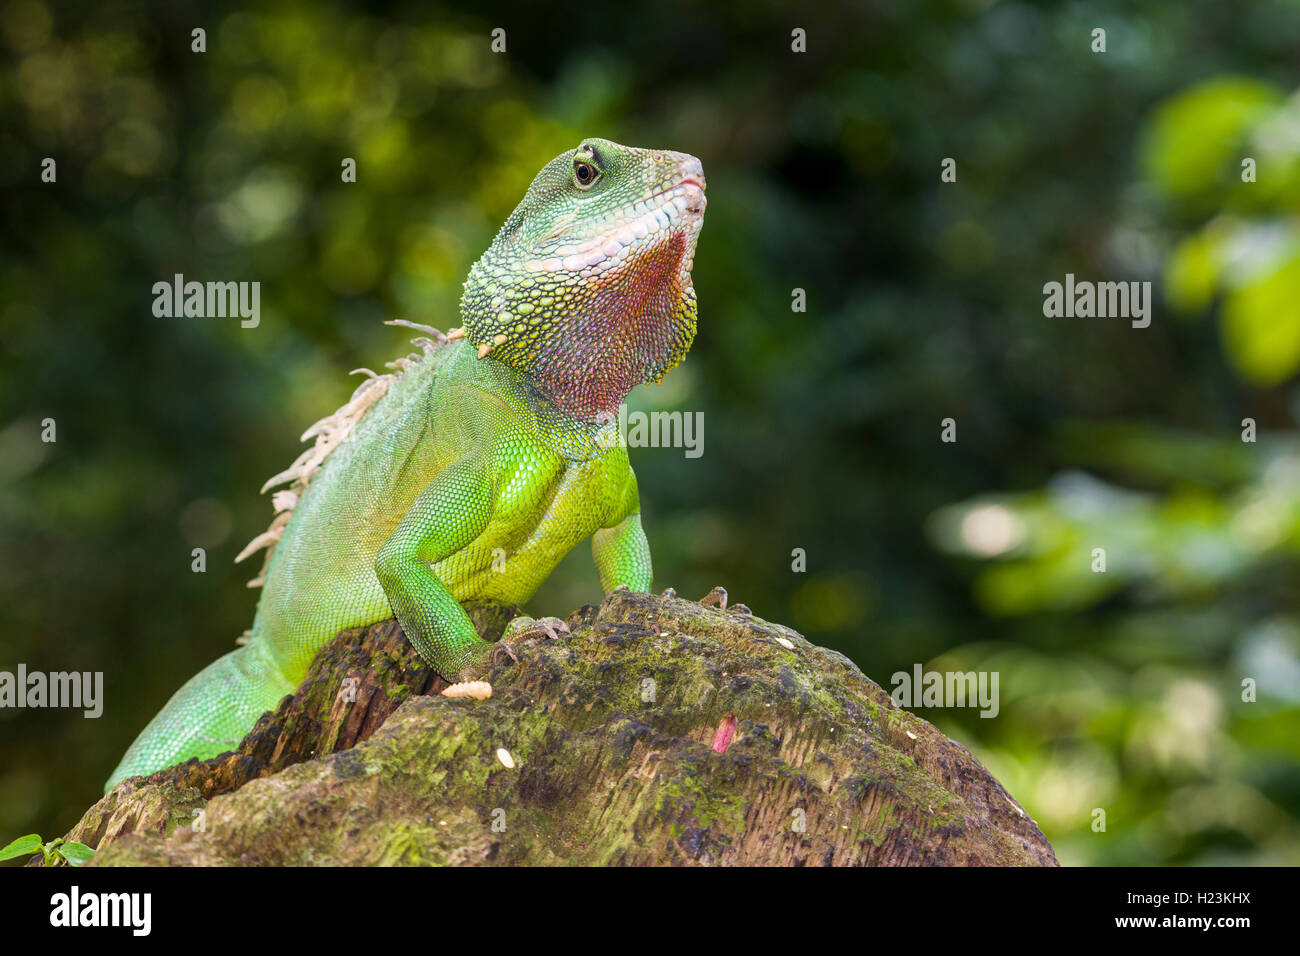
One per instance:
(689,187)
(675,209)
(695,201)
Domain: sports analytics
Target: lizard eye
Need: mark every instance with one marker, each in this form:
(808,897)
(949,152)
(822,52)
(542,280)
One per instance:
(584,173)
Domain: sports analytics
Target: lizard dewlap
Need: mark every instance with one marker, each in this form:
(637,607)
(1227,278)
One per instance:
(480,444)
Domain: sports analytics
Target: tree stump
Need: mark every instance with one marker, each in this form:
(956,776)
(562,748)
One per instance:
(659,732)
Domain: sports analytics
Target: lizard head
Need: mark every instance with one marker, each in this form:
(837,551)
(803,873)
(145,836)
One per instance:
(587,288)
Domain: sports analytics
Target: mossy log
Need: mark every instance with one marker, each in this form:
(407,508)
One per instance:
(659,731)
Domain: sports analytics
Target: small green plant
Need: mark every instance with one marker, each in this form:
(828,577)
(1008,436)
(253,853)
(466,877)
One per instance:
(60,849)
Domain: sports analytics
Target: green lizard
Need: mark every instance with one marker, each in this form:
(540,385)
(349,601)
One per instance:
(471,470)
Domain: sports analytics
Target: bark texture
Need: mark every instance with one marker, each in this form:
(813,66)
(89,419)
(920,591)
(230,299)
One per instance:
(658,732)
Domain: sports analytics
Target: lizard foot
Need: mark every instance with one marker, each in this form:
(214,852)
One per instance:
(718,598)
(526,632)
(520,633)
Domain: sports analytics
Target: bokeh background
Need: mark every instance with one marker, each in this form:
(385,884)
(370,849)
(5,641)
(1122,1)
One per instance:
(1120,691)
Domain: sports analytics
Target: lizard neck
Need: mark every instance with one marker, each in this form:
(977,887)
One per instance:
(574,439)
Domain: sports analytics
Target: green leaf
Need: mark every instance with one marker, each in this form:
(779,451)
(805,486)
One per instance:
(76,853)
(1261,326)
(1193,142)
(23,846)
(1192,273)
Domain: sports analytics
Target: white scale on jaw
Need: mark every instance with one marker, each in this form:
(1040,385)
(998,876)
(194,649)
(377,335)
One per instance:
(604,251)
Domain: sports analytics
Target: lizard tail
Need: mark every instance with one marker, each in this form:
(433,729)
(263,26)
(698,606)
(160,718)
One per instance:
(209,715)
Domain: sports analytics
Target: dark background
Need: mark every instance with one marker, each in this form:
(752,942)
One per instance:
(1120,691)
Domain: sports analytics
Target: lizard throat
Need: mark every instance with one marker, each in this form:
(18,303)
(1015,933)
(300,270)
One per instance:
(603,314)
(634,324)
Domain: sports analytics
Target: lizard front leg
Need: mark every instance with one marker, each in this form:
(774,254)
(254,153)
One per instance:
(448,515)
(622,555)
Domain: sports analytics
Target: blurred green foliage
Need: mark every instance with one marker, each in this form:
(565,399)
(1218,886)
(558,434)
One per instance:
(1119,690)
(1197,595)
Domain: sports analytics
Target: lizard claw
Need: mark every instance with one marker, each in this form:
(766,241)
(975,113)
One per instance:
(717,597)
(527,631)
(501,651)
(520,633)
